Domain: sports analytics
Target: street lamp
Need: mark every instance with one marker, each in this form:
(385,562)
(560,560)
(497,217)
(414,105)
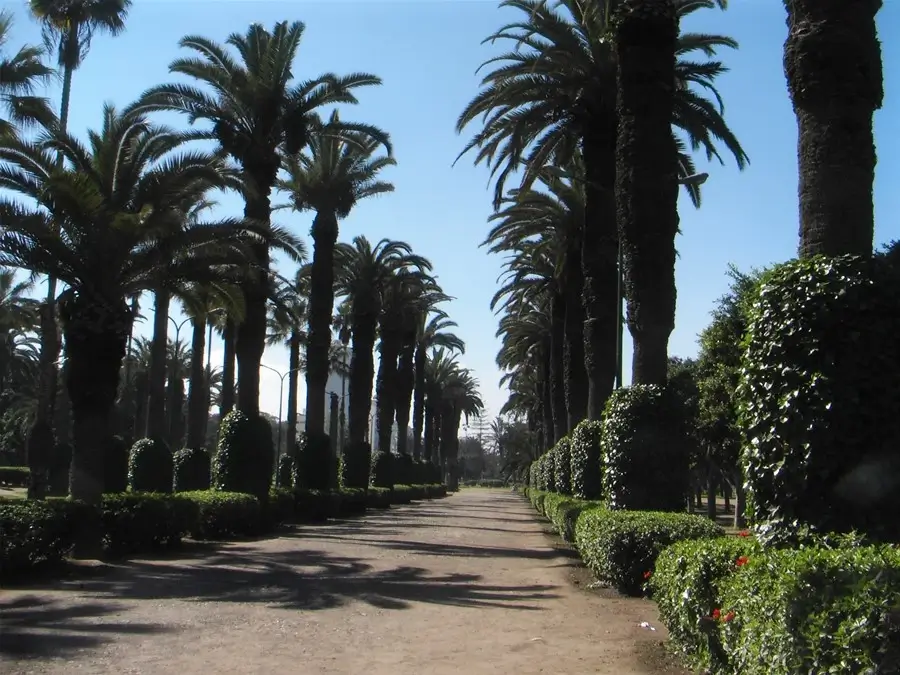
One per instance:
(695,179)
(178,327)
(280,399)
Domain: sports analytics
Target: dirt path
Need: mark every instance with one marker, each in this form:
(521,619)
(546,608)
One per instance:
(468,584)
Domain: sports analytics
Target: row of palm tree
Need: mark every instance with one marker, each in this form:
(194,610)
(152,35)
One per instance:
(577,112)
(127,213)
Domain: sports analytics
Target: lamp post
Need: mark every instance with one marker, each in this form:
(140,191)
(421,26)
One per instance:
(178,327)
(280,400)
(695,180)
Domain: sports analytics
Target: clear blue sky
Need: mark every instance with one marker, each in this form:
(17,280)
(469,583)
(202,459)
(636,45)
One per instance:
(427,52)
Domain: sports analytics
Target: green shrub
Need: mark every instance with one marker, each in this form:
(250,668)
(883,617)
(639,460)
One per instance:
(821,353)
(141,522)
(60,462)
(353,501)
(317,505)
(382,470)
(485,483)
(355,465)
(192,467)
(244,457)
(620,547)
(286,469)
(15,476)
(562,467)
(116,456)
(32,534)
(403,494)
(563,511)
(687,585)
(221,515)
(533,470)
(435,491)
(814,610)
(150,466)
(403,470)
(645,450)
(314,460)
(587,460)
(279,509)
(378,498)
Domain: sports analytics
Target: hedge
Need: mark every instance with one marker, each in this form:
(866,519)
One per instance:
(587,460)
(621,547)
(150,466)
(245,456)
(314,461)
(116,457)
(191,470)
(221,515)
(382,474)
(15,476)
(562,467)
(32,534)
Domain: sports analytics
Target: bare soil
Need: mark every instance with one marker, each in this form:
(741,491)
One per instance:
(469,584)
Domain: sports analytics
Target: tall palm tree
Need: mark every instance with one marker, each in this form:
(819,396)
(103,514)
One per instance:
(17,313)
(20,73)
(363,273)
(257,111)
(342,325)
(330,176)
(106,244)
(553,95)
(178,364)
(646,41)
(834,106)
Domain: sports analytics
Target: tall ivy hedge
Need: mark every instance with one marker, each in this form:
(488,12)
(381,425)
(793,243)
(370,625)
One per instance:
(562,466)
(150,466)
(646,451)
(314,463)
(586,460)
(245,456)
(818,396)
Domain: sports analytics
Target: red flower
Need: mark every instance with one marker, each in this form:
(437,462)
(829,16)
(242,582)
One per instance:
(728,617)
(743,533)
(716,614)
(743,560)
(648,574)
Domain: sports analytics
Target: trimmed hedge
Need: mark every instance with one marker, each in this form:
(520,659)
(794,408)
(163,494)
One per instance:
(15,476)
(563,511)
(355,465)
(116,458)
(144,521)
(821,362)
(32,535)
(562,467)
(404,470)
(586,467)
(646,450)
(382,470)
(621,547)
(314,462)
(221,515)
(192,468)
(286,470)
(378,498)
(150,466)
(244,457)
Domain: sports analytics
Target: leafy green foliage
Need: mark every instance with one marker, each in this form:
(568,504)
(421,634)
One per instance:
(34,534)
(814,610)
(587,460)
(317,505)
(140,522)
(645,450)
(244,457)
(378,498)
(116,456)
(821,353)
(192,468)
(687,585)
(620,547)
(314,462)
(221,514)
(15,476)
(286,469)
(60,462)
(404,470)
(562,466)
(150,466)
(355,465)
(279,508)
(563,511)
(382,470)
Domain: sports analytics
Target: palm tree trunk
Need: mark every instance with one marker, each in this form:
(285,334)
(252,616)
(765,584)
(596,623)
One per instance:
(321,305)
(406,382)
(576,380)
(599,255)
(198,395)
(333,415)
(229,336)
(342,440)
(250,342)
(646,179)
(547,400)
(156,408)
(832,60)
(293,381)
(557,370)
(419,401)
(357,452)
(175,407)
(386,390)
(428,414)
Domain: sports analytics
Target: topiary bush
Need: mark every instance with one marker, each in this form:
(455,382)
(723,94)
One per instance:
(563,511)
(646,451)
(150,466)
(821,357)
(116,455)
(221,515)
(142,522)
(313,462)
(34,534)
(192,468)
(286,470)
(621,547)
(587,460)
(244,457)
(562,467)
(60,462)
(355,465)
(813,610)
(404,470)
(382,470)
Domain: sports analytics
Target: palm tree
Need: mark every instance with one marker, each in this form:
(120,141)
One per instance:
(363,273)
(646,41)
(17,313)
(554,95)
(330,177)
(834,106)
(106,245)
(256,112)
(19,74)
(341,323)
(178,363)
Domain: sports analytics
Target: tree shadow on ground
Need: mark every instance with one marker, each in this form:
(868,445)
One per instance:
(31,627)
(304,580)
(456,550)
